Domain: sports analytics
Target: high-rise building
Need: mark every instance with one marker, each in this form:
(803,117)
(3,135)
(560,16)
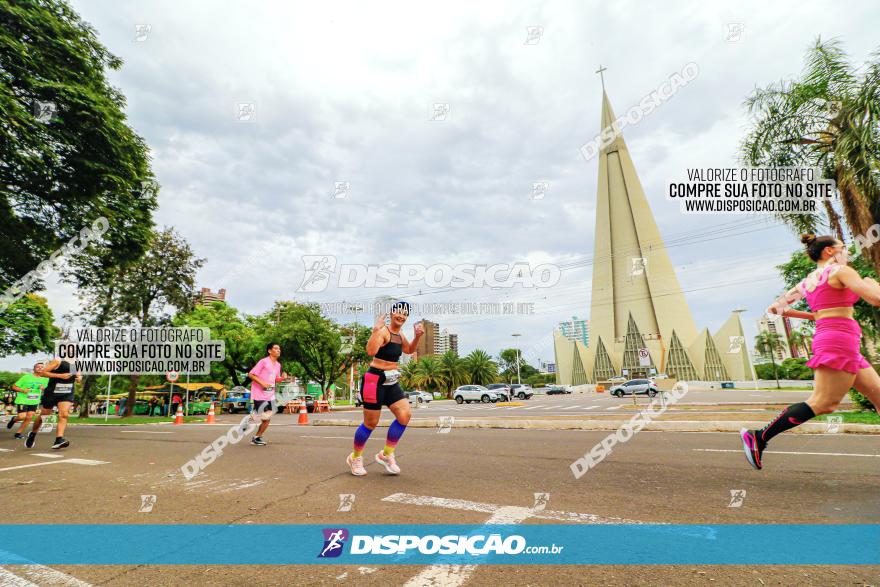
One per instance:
(206,296)
(576,329)
(640,322)
(446,341)
(777,325)
(427,345)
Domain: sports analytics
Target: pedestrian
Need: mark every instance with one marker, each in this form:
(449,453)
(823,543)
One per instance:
(29,389)
(379,386)
(59,393)
(830,291)
(263,376)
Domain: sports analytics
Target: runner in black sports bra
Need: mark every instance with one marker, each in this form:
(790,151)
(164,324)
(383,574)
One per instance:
(379,386)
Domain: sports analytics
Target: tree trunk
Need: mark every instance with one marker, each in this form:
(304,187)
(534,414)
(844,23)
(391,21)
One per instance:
(86,395)
(858,215)
(132,395)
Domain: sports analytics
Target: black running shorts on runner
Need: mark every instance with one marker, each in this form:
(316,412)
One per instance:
(26,408)
(375,394)
(50,400)
(263,405)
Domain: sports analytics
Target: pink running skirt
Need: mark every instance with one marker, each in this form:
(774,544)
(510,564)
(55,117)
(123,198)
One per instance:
(836,345)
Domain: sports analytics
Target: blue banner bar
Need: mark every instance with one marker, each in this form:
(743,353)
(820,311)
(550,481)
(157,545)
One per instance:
(528,544)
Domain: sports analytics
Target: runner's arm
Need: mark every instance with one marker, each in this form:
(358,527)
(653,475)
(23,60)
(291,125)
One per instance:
(785,300)
(867,288)
(377,338)
(410,347)
(48,371)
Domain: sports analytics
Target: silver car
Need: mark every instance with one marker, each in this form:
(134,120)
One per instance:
(635,387)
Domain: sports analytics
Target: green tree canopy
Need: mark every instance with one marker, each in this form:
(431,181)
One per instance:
(67,154)
(26,326)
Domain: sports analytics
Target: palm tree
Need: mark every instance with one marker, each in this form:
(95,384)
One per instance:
(482,369)
(407,375)
(767,344)
(454,371)
(829,119)
(801,339)
(427,374)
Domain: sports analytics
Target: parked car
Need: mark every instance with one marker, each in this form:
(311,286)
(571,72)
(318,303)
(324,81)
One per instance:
(635,387)
(426,397)
(557,389)
(474,393)
(236,401)
(521,390)
(502,389)
(418,397)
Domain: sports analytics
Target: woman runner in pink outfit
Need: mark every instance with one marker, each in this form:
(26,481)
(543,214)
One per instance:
(830,291)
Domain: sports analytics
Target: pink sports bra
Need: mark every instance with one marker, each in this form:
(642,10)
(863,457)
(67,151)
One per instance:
(825,296)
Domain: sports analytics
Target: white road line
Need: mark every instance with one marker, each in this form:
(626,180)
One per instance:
(531,407)
(782,452)
(8,579)
(49,577)
(615,407)
(6,450)
(441,575)
(591,407)
(47,455)
(61,462)
(571,407)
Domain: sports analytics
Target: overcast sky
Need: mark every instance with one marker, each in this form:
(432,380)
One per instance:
(344,92)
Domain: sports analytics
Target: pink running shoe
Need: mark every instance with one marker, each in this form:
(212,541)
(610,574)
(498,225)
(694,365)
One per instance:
(388,462)
(356,464)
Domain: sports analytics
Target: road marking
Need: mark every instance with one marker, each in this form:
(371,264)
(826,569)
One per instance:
(531,407)
(615,407)
(8,579)
(61,462)
(445,575)
(48,455)
(48,577)
(145,432)
(782,452)
(6,450)
(591,407)
(571,407)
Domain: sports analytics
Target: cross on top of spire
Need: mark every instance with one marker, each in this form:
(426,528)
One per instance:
(601,76)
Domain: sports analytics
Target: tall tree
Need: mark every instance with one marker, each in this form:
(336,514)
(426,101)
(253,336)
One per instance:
(830,119)
(481,368)
(767,344)
(67,154)
(164,277)
(454,371)
(428,373)
(26,326)
(242,346)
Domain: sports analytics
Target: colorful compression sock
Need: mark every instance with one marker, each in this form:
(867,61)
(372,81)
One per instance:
(360,440)
(793,415)
(395,431)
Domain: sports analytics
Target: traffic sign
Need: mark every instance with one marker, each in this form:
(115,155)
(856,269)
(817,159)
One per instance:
(172,376)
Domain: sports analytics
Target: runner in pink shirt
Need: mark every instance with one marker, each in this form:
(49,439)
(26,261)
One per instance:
(263,377)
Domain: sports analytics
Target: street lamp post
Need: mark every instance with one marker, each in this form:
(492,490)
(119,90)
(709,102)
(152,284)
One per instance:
(518,360)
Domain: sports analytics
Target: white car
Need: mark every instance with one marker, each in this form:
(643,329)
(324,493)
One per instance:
(474,393)
(419,396)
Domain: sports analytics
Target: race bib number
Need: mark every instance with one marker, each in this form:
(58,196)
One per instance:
(64,388)
(391,377)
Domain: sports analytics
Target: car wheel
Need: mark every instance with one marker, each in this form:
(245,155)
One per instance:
(651,393)
(459,399)
(421,401)
(521,395)
(485,399)
(617,394)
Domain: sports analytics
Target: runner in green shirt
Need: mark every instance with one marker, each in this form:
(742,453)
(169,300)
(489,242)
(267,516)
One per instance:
(29,389)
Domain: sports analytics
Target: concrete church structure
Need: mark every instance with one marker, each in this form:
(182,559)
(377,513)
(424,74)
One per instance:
(640,322)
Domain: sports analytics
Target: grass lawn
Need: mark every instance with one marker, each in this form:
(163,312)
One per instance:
(855,417)
(115,420)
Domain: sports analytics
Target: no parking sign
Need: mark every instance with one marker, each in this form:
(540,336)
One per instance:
(644,358)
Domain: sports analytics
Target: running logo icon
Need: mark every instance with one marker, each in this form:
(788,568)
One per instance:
(737,497)
(319,268)
(334,540)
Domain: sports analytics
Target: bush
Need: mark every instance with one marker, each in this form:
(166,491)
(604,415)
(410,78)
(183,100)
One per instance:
(861,401)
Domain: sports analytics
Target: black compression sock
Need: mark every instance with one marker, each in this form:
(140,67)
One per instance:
(793,415)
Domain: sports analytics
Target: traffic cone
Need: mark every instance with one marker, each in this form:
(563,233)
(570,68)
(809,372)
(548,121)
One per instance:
(178,418)
(303,414)
(211,418)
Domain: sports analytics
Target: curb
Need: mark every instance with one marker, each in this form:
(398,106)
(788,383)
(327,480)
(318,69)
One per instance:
(660,426)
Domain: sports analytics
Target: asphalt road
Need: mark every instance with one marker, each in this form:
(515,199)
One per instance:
(298,477)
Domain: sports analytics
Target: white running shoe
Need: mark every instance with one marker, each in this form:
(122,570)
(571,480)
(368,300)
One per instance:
(356,464)
(388,462)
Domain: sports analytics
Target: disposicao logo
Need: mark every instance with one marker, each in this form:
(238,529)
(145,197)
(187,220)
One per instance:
(334,541)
